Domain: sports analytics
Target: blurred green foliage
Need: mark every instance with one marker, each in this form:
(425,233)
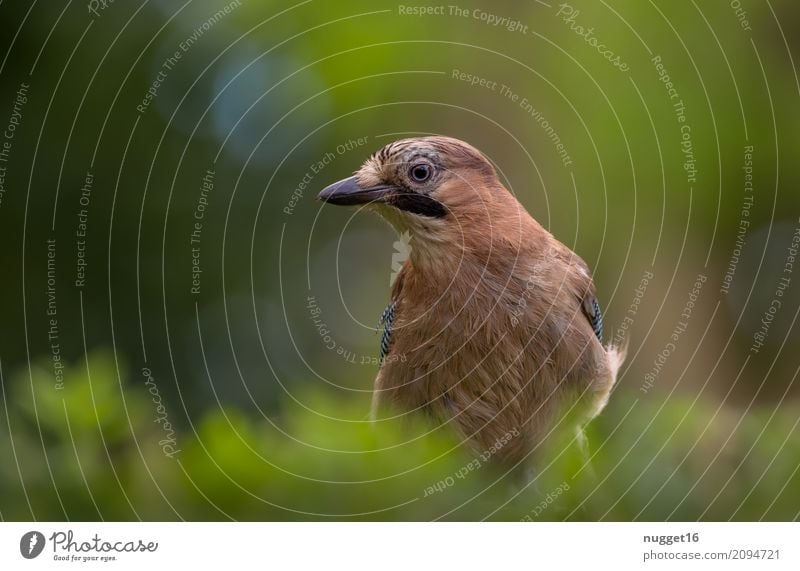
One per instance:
(323,461)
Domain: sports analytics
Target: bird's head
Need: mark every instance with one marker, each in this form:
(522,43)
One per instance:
(432,187)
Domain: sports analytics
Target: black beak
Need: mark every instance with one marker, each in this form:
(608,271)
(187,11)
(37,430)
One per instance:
(347,193)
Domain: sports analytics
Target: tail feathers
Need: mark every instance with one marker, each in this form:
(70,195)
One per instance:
(604,383)
(616,356)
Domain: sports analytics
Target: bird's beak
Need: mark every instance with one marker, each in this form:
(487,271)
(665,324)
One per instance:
(347,193)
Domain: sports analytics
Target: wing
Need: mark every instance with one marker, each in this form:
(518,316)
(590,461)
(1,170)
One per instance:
(387,317)
(386,322)
(585,291)
(588,297)
(591,307)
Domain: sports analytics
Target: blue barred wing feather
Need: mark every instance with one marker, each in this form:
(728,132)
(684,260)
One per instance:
(596,319)
(386,321)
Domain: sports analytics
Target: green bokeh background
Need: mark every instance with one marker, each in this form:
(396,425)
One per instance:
(265,374)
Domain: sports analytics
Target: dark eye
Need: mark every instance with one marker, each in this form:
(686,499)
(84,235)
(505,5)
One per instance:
(420,172)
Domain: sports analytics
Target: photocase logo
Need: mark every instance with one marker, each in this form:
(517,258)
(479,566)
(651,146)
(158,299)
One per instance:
(402,251)
(31,544)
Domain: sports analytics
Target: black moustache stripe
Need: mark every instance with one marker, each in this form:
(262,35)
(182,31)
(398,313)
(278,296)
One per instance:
(418,204)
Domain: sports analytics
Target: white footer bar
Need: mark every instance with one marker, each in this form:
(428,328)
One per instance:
(401,546)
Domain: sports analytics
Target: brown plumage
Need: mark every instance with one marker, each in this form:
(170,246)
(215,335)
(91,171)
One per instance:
(493,328)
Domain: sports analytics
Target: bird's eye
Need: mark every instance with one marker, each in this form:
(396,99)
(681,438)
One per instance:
(420,172)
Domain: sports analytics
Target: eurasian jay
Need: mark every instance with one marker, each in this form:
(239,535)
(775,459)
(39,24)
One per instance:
(493,325)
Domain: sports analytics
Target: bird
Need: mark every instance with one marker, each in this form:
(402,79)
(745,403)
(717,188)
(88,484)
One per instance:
(493,325)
